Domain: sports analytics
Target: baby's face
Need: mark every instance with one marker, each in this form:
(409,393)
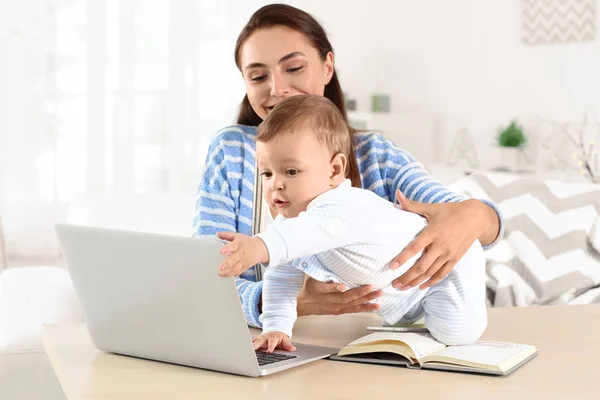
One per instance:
(294,169)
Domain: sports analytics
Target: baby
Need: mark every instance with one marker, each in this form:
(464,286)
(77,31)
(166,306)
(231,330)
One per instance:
(331,231)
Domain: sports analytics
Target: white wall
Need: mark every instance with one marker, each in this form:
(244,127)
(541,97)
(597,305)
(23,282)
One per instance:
(456,64)
(447,65)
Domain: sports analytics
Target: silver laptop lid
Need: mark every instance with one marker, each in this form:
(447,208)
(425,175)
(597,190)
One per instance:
(145,295)
(257,209)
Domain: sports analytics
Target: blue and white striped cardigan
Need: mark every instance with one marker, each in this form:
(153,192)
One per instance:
(226,192)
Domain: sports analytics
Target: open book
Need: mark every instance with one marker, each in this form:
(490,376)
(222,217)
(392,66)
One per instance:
(421,350)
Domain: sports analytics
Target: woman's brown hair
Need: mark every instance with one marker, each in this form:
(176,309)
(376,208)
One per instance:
(298,20)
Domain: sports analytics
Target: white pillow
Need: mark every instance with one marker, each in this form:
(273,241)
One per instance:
(594,234)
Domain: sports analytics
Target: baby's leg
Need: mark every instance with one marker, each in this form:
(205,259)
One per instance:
(413,315)
(455,308)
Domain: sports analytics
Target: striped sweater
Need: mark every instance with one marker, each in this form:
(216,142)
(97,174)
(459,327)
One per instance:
(226,191)
(334,240)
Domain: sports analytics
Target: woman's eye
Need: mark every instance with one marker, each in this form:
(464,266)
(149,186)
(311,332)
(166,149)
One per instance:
(292,172)
(294,69)
(258,78)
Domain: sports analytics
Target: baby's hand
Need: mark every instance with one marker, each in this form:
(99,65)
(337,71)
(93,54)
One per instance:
(273,340)
(242,253)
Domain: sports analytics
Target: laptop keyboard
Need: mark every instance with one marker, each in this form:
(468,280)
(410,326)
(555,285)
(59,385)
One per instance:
(270,358)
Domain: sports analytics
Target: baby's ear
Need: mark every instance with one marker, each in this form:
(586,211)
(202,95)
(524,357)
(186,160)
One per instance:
(338,165)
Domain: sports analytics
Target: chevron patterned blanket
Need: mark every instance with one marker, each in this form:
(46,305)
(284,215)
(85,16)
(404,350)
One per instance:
(550,252)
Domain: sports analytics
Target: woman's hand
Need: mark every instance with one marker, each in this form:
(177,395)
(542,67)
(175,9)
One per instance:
(452,229)
(330,298)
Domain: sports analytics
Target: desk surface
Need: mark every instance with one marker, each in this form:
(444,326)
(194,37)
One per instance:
(567,338)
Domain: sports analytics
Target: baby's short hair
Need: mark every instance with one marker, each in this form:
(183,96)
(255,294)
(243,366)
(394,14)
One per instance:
(312,113)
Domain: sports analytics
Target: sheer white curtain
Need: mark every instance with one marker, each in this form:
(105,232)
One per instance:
(105,96)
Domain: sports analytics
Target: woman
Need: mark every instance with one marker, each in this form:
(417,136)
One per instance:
(283,51)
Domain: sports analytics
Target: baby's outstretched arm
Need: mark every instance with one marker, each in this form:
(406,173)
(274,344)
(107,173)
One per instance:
(242,253)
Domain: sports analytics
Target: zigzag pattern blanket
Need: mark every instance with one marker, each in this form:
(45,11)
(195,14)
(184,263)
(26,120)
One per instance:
(550,253)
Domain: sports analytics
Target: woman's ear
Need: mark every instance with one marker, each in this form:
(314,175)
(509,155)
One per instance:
(329,67)
(338,165)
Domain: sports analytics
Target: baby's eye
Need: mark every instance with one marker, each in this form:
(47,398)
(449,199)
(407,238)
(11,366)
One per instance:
(292,172)
(266,174)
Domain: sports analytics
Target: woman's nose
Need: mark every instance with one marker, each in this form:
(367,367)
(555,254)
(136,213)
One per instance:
(279,85)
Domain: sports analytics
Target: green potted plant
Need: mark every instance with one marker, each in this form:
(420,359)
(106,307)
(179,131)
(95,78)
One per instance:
(512,140)
(512,136)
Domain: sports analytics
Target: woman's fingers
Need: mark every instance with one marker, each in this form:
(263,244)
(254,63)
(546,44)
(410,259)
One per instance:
(419,272)
(359,295)
(428,273)
(413,206)
(324,287)
(328,300)
(357,308)
(422,240)
(361,303)
(439,275)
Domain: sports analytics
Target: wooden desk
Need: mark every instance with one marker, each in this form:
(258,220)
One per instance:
(568,364)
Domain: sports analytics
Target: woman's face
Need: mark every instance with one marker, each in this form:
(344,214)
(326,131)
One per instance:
(279,62)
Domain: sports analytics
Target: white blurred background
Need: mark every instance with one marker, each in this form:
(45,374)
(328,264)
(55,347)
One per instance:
(110,104)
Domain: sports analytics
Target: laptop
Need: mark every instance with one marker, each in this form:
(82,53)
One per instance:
(159,297)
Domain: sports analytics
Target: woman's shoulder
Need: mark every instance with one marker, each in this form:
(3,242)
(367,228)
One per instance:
(243,133)
(375,146)
(233,140)
(372,138)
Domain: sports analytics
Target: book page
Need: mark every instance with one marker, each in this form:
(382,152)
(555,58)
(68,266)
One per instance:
(480,353)
(421,343)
